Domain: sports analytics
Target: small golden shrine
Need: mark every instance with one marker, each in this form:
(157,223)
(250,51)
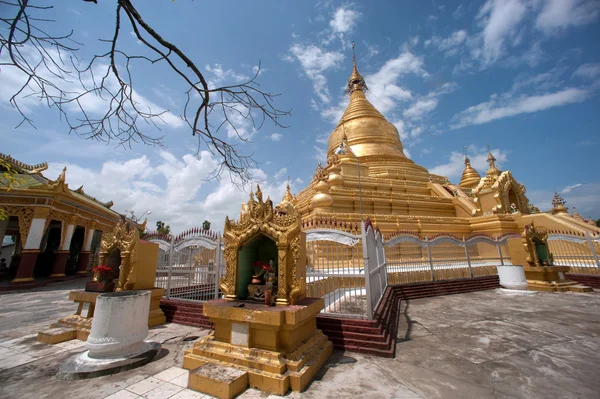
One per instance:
(541,273)
(133,262)
(265,234)
(272,348)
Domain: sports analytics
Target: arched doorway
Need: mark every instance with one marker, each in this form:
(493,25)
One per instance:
(260,249)
(113,260)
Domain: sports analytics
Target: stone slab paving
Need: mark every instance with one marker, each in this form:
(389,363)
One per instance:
(477,345)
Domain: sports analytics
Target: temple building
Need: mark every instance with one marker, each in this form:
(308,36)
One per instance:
(368,175)
(55,229)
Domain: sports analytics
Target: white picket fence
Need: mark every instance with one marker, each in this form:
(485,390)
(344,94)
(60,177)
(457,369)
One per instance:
(189,265)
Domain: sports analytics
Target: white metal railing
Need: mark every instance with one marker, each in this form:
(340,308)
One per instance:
(411,258)
(579,252)
(189,265)
(335,270)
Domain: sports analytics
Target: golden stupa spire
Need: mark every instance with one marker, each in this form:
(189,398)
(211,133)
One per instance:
(356,81)
(467,160)
(288,193)
(492,171)
(470,177)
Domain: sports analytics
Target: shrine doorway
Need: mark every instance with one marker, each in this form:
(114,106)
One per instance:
(113,260)
(260,249)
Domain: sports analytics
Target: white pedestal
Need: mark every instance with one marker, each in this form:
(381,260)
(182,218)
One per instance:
(512,277)
(120,324)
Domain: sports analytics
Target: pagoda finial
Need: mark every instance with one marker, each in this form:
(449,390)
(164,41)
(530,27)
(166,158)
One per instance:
(491,159)
(288,193)
(467,160)
(492,171)
(356,81)
(557,200)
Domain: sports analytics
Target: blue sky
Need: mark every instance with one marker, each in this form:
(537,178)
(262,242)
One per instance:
(520,75)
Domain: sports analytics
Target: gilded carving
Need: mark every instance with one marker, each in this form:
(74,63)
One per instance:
(25,217)
(535,242)
(123,237)
(283,227)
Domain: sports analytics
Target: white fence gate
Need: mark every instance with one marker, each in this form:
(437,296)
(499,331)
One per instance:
(375,267)
(189,265)
(347,269)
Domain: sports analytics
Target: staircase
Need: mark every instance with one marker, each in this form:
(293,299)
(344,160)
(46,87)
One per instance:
(591,280)
(375,337)
(185,312)
(450,287)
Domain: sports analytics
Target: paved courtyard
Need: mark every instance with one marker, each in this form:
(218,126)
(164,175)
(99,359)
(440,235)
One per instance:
(478,345)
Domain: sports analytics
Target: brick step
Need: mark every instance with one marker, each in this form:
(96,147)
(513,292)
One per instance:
(442,289)
(434,294)
(359,343)
(341,326)
(449,282)
(187,313)
(356,336)
(185,306)
(193,322)
(447,286)
(389,352)
(443,286)
(586,279)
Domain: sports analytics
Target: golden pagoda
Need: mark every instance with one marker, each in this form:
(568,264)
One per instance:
(367,174)
(470,177)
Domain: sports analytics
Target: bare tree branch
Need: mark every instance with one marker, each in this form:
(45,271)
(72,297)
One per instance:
(53,74)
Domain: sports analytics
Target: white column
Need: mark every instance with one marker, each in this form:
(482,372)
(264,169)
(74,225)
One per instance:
(36,233)
(66,245)
(3,227)
(87,246)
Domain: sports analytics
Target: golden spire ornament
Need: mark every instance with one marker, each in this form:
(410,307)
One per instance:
(356,81)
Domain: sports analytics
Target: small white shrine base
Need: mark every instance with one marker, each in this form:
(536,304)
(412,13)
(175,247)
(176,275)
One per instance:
(117,339)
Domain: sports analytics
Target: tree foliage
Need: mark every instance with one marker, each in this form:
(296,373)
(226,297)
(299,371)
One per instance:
(206,225)
(162,228)
(57,77)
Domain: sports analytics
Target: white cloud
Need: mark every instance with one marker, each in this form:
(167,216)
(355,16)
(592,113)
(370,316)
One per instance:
(282,172)
(500,20)
(589,71)
(478,155)
(406,152)
(344,20)
(450,44)
(560,14)
(174,189)
(93,104)
(314,62)
(276,136)
(568,189)
(220,75)
(320,154)
(420,108)
(384,84)
(503,106)
(584,197)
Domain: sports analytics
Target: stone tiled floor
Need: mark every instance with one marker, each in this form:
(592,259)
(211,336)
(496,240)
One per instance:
(477,345)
